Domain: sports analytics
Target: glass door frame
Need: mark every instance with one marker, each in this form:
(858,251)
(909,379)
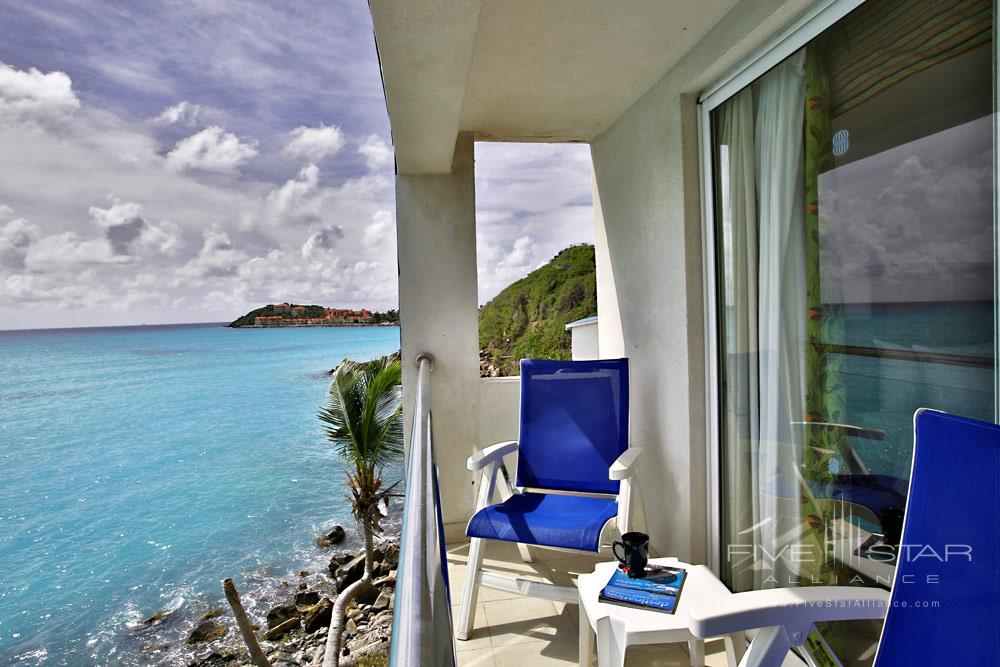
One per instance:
(786,42)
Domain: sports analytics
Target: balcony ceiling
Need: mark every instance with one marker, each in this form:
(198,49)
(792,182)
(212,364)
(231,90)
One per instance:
(523,70)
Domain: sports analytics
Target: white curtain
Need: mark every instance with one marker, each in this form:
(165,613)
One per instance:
(736,179)
(778,141)
(762,201)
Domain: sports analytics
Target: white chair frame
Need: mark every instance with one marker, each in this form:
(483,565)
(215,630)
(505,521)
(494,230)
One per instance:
(785,616)
(490,461)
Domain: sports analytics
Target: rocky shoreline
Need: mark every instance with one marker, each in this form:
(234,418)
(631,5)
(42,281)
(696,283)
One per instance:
(293,632)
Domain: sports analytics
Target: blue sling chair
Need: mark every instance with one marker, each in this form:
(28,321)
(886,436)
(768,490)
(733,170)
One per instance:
(573,482)
(944,608)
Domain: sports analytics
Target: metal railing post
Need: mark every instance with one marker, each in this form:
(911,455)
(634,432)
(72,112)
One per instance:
(421,623)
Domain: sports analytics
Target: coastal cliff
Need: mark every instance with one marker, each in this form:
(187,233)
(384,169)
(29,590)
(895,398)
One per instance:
(528,318)
(293,315)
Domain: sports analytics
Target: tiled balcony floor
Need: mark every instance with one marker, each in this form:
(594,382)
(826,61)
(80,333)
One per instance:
(515,631)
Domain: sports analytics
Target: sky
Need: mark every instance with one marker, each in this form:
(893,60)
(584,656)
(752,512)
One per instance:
(912,223)
(189,161)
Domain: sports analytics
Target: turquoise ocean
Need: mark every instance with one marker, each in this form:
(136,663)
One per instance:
(143,465)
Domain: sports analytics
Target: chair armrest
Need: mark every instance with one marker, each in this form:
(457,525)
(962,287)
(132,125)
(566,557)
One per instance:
(624,465)
(795,608)
(484,457)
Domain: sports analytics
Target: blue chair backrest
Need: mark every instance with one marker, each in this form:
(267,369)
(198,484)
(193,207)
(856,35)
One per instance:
(951,535)
(574,423)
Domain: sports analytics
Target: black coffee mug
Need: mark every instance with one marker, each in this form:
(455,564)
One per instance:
(635,553)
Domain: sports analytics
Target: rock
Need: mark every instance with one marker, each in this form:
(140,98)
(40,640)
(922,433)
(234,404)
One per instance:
(350,627)
(339,559)
(366,597)
(306,598)
(216,658)
(382,618)
(387,580)
(282,628)
(280,614)
(331,537)
(153,619)
(387,554)
(205,631)
(212,613)
(350,572)
(381,602)
(318,615)
(355,613)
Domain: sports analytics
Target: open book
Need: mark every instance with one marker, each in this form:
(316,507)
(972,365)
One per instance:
(659,590)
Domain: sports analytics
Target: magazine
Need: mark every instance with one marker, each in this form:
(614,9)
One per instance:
(659,590)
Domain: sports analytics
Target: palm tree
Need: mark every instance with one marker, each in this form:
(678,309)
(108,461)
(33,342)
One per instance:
(363,421)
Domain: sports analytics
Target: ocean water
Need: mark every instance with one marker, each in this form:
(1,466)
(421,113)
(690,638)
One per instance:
(883,393)
(143,465)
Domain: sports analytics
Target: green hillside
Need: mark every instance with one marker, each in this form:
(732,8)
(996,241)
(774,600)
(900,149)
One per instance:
(268,310)
(528,318)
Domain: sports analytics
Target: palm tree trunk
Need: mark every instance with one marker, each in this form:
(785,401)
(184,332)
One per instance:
(331,658)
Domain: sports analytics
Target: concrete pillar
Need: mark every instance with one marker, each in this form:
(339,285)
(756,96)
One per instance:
(610,341)
(439,314)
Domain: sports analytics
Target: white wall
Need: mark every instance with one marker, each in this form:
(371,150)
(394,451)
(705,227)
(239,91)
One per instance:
(439,313)
(650,291)
(499,409)
(650,287)
(584,343)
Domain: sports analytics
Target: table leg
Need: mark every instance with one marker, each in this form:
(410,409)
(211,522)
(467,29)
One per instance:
(610,646)
(696,648)
(586,639)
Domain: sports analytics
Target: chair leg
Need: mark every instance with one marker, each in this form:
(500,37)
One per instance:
(769,647)
(736,646)
(525,553)
(470,590)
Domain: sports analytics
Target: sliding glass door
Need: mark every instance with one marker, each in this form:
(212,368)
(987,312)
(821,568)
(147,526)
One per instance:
(854,192)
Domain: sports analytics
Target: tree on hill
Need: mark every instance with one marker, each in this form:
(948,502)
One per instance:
(528,319)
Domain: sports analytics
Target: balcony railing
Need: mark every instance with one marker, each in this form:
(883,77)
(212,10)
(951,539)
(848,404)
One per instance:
(421,625)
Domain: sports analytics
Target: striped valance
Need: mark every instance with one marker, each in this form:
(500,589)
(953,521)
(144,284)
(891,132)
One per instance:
(887,41)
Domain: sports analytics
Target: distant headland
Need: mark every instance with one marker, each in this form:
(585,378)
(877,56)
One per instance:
(292,315)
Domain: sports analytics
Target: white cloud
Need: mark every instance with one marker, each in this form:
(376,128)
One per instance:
(57,252)
(379,229)
(375,151)
(295,202)
(314,143)
(532,200)
(182,112)
(16,237)
(322,240)
(26,94)
(130,233)
(218,258)
(212,149)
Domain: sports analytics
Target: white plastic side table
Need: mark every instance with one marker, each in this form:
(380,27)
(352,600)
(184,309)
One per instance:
(617,627)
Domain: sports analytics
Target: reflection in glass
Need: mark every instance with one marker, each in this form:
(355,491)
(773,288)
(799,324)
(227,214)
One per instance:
(854,191)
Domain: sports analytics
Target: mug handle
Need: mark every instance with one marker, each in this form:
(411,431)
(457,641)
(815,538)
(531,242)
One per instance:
(614,550)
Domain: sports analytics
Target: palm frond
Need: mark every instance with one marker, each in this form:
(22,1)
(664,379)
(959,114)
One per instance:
(363,420)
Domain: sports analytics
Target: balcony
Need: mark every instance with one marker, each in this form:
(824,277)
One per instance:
(756,414)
